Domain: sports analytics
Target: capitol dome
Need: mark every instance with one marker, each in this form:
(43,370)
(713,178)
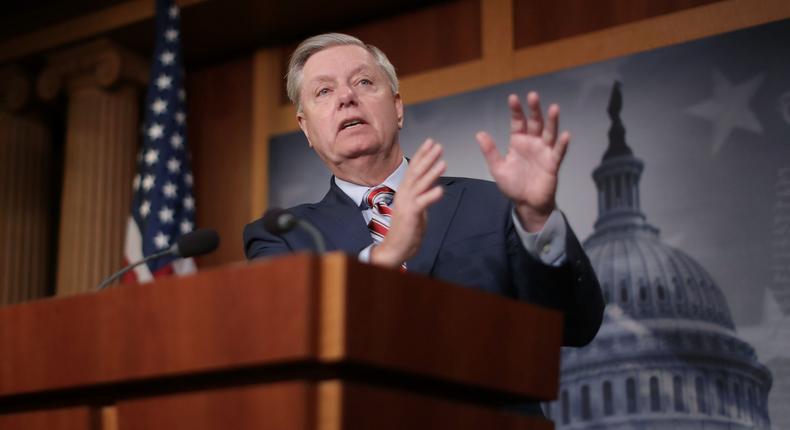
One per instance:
(649,279)
(667,355)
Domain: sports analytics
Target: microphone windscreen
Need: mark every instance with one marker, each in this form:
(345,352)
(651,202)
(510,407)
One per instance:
(278,221)
(199,242)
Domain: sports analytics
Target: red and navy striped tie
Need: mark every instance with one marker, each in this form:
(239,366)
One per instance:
(379,200)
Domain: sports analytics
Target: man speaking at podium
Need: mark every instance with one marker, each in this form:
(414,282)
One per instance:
(505,237)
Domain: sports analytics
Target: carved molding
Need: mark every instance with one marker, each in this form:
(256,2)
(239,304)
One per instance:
(101,63)
(14,89)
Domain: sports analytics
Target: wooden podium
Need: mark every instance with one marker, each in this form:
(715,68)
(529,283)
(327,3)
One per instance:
(299,342)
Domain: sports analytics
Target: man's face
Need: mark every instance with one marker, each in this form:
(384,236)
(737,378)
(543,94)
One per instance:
(348,108)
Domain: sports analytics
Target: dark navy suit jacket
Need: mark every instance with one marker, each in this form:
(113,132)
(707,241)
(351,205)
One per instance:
(469,240)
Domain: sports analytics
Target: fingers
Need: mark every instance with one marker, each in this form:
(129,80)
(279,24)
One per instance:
(424,181)
(417,190)
(552,125)
(422,151)
(425,156)
(562,146)
(535,121)
(425,159)
(489,150)
(518,121)
(430,197)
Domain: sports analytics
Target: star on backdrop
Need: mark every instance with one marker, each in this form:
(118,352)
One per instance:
(729,108)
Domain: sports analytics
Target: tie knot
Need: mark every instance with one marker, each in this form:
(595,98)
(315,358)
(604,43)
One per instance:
(379,195)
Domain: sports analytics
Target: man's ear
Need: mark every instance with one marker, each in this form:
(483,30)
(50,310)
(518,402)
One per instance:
(399,109)
(303,125)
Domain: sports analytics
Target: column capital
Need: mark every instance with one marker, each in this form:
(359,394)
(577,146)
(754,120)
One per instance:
(15,88)
(101,63)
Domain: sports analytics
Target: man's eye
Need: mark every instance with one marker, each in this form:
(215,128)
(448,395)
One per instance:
(323,92)
(365,82)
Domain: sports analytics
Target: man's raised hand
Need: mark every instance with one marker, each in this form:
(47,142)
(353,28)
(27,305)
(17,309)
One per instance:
(528,173)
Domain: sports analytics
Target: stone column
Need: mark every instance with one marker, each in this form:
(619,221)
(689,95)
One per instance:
(25,192)
(102,83)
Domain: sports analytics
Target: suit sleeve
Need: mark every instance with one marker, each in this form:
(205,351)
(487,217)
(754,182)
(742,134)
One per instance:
(572,287)
(260,243)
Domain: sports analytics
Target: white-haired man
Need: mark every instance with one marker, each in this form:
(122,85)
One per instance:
(507,238)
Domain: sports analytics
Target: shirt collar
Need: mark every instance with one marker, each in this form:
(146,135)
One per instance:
(356,192)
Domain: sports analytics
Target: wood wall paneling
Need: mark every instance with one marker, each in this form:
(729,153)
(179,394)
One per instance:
(538,22)
(497,40)
(419,41)
(266,84)
(429,38)
(652,33)
(75,418)
(83,27)
(219,103)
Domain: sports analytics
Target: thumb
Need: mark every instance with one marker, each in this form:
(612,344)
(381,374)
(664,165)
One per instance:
(489,150)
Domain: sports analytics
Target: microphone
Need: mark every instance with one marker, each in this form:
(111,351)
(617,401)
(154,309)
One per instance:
(279,221)
(198,242)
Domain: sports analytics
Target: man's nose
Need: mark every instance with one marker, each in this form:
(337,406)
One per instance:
(347,96)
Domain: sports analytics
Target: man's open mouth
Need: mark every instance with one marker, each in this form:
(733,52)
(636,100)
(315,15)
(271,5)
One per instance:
(351,123)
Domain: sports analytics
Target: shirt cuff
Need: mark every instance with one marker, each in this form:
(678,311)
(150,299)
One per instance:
(364,255)
(548,244)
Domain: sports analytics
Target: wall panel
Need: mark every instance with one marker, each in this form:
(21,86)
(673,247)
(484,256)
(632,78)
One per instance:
(219,126)
(420,41)
(543,21)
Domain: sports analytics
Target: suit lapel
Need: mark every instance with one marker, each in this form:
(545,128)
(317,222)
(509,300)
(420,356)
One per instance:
(439,217)
(340,220)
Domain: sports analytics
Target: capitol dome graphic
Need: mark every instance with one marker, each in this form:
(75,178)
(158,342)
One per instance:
(667,355)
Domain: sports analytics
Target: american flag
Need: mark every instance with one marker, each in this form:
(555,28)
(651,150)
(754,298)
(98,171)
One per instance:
(163,206)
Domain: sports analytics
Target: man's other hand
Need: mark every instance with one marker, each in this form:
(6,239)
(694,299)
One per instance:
(415,194)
